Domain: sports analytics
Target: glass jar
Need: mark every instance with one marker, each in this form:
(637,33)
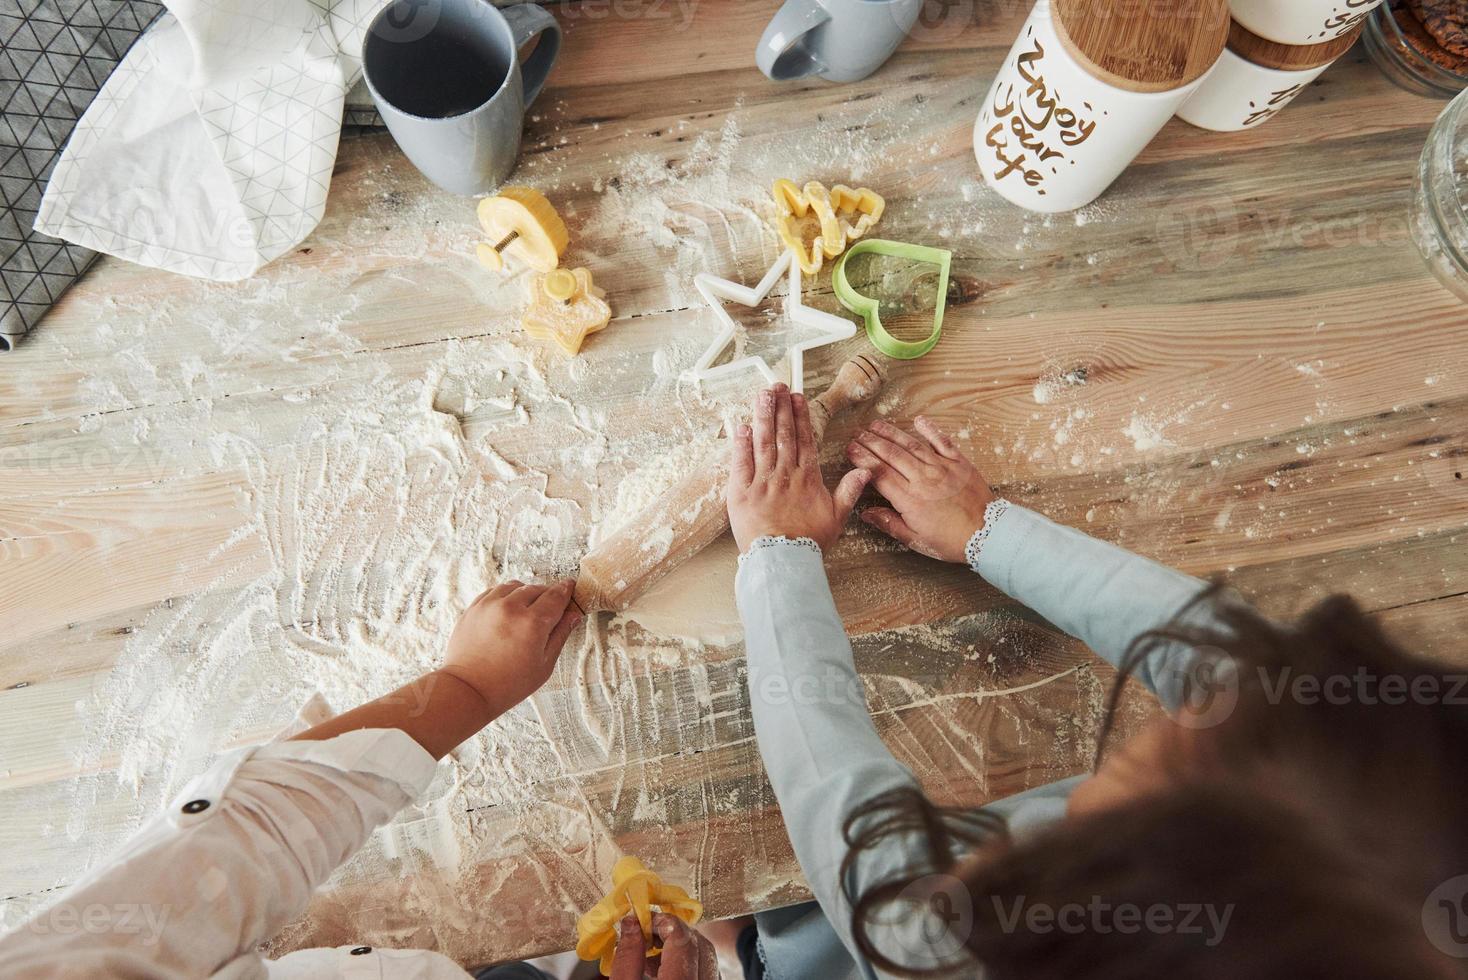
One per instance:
(1395,41)
(1440,202)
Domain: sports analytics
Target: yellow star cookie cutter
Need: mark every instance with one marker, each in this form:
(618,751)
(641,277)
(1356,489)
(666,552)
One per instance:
(634,889)
(520,222)
(844,215)
(567,307)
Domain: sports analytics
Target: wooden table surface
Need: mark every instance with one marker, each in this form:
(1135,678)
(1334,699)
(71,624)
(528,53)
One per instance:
(1234,362)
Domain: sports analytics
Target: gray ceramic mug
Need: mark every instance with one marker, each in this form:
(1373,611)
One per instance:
(839,40)
(447,78)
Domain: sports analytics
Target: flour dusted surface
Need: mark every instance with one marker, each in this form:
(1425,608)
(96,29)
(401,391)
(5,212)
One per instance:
(374,477)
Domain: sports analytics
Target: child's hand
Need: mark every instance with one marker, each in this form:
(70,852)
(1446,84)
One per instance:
(775,484)
(506,643)
(937,496)
(686,954)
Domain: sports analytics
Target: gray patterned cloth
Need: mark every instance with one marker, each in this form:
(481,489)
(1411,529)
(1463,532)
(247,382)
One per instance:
(210,149)
(54,56)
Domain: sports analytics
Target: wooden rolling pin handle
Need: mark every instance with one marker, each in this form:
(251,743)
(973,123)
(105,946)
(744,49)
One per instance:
(690,515)
(859,379)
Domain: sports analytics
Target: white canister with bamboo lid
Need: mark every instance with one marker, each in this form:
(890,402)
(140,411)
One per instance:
(1302,21)
(1085,87)
(1256,78)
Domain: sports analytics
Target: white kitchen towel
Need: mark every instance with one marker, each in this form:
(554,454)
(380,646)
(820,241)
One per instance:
(210,149)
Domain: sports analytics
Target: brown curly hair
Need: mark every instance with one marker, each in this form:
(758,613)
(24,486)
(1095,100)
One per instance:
(1322,824)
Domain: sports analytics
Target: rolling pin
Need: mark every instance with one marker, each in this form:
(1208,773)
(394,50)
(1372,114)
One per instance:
(690,515)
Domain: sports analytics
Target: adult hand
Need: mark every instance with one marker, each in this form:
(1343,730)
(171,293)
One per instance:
(938,497)
(686,954)
(506,643)
(775,485)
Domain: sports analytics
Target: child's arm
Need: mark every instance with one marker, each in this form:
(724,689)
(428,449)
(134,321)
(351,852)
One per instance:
(502,649)
(820,748)
(236,856)
(1104,595)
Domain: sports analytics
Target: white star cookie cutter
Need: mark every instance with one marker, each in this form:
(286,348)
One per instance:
(715,290)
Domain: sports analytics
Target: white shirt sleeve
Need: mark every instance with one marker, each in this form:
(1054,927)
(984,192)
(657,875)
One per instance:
(231,861)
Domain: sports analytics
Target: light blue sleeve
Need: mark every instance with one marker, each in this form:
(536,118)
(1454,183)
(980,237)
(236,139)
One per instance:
(816,736)
(1099,593)
(820,748)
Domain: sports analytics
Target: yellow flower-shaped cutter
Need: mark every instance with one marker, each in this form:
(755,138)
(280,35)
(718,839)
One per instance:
(844,215)
(634,889)
(565,306)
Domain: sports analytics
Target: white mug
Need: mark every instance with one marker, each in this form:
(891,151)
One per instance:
(1301,21)
(1050,135)
(1238,94)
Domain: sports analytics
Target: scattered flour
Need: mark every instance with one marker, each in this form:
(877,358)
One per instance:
(387,481)
(1145,432)
(1056,382)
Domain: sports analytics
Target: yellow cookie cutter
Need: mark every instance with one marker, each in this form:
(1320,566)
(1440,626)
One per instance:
(844,215)
(634,889)
(566,306)
(522,223)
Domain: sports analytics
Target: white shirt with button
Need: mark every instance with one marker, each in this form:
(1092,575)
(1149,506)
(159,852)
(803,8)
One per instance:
(232,861)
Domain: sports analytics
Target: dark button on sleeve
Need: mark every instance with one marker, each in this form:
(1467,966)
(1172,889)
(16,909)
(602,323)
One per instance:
(196,806)
(361,950)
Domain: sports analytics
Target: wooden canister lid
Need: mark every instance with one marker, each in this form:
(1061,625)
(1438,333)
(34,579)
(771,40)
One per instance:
(1143,45)
(1288,57)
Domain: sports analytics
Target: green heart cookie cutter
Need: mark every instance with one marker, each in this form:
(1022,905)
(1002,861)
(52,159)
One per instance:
(866,307)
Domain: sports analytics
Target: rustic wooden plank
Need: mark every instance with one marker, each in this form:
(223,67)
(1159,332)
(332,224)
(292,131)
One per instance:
(113,550)
(662,40)
(1219,215)
(1434,626)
